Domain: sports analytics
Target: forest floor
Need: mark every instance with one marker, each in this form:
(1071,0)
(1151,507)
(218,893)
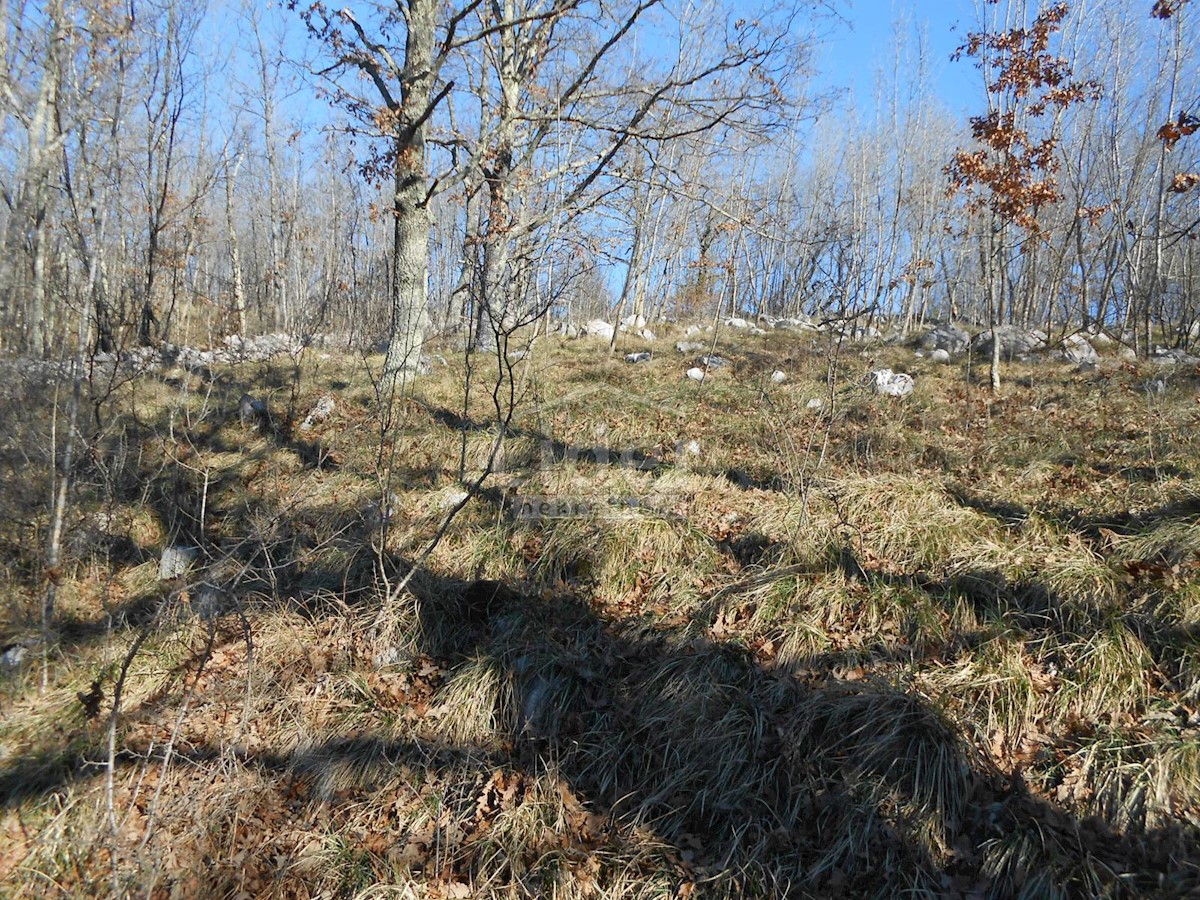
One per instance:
(945,645)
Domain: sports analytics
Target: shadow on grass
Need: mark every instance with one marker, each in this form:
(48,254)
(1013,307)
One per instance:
(758,783)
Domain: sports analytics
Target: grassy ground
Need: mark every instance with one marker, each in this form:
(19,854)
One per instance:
(943,646)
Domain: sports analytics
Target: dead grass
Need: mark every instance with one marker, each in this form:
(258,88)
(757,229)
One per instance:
(940,647)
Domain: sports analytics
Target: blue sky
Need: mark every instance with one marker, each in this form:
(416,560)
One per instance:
(853,52)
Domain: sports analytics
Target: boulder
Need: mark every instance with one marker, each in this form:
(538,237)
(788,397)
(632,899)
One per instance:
(940,355)
(712,361)
(646,334)
(634,322)
(891,384)
(642,357)
(695,374)
(951,338)
(1077,350)
(599,328)
(734,322)
(778,377)
(686,347)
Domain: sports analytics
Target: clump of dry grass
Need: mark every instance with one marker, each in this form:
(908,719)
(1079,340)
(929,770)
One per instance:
(889,648)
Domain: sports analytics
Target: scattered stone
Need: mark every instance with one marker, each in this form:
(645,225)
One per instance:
(891,384)
(1085,367)
(795,324)
(1099,339)
(1155,386)
(778,377)
(12,655)
(695,374)
(691,448)
(175,561)
(378,513)
(755,330)
(1164,357)
(686,347)
(693,330)
(1014,342)
(713,361)
(209,602)
(635,358)
(252,411)
(517,355)
(734,322)
(319,413)
(452,499)
(646,334)
(567,330)
(634,322)
(814,403)
(940,356)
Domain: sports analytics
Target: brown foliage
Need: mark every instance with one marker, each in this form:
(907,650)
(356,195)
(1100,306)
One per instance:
(1017,170)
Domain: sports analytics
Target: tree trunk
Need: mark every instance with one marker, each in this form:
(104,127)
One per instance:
(410,228)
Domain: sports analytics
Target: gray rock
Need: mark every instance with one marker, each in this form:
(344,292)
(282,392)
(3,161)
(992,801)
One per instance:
(599,328)
(814,403)
(778,377)
(686,347)
(12,656)
(712,361)
(734,322)
(635,358)
(378,513)
(1015,342)
(891,384)
(209,602)
(1164,357)
(252,411)
(319,413)
(175,561)
(1076,349)
(795,324)
(940,356)
(951,338)
(646,335)
(695,374)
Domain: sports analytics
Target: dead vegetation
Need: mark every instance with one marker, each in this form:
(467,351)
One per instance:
(945,646)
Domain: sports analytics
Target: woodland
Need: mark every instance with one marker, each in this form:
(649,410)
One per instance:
(575,449)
